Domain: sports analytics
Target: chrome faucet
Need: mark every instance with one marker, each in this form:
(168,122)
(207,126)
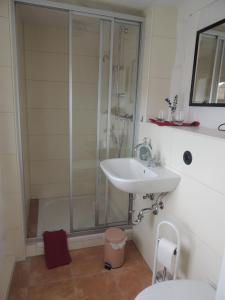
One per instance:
(145,150)
(155,161)
(136,148)
(146,154)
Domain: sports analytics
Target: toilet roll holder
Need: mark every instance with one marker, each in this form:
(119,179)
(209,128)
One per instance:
(164,275)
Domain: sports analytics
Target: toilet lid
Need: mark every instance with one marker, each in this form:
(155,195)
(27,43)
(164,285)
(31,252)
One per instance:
(177,290)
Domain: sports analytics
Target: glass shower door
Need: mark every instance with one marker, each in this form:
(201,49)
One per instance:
(104,82)
(90,81)
(123,102)
(104,99)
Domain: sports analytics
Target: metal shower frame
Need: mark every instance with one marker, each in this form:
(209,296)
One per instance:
(102,15)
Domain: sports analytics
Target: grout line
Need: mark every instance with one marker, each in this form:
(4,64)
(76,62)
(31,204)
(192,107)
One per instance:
(59,53)
(60,81)
(63,108)
(48,159)
(50,134)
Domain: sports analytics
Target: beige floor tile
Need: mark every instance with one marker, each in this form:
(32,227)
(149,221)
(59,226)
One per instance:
(18,294)
(55,291)
(40,275)
(21,275)
(87,261)
(84,279)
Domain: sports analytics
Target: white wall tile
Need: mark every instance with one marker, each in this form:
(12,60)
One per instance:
(162,57)
(85,69)
(45,122)
(84,181)
(4,8)
(49,190)
(85,43)
(207,166)
(16,242)
(10,185)
(85,147)
(196,207)
(5,53)
(46,94)
(47,39)
(12,208)
(10,168)
(159,90)
(6,95)
(48,147)
(46,57)
(165,21)
(84,122)
(7,134)
(85,96)
(202,211)
(46,66)
(49,171)
(193,16)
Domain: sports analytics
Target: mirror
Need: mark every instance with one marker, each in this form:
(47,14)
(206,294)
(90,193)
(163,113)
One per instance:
(208,78)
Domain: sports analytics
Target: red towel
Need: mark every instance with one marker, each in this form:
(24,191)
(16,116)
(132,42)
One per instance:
(166,123)
(56,248)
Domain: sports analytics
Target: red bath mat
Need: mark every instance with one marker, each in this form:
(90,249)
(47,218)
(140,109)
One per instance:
(56,248)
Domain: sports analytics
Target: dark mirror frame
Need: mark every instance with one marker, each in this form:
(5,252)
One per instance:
(194,67)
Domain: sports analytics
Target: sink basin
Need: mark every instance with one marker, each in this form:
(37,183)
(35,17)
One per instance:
(132,176)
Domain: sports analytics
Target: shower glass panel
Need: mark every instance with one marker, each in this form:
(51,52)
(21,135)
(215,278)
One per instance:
(77,93)
(117,135)
(104,78)
(125,65)
(90,37)
(105,64)
(42,55)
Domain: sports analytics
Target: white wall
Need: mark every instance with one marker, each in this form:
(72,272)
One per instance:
(196,207)
(23,113)
(46,104)
(173,76)
(192,16)
(159,51)
(11,232)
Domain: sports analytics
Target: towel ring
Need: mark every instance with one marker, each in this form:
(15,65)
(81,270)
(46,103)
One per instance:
(220,127)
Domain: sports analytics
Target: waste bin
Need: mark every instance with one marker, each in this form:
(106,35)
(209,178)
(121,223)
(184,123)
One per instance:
(115,241)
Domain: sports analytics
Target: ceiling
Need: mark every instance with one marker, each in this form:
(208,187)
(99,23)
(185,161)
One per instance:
(41,15)
(138,4)
(132,4)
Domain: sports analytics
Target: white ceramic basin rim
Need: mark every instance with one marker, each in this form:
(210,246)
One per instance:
(132,176)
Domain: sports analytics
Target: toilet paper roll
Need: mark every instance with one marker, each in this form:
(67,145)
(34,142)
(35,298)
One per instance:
(166,254)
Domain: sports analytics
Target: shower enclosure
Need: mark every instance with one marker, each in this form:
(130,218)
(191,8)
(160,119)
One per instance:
(78,75)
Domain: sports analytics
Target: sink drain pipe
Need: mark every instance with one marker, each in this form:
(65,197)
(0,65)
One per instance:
(154,208)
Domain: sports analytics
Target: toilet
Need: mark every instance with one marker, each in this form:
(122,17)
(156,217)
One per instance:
(174,289)
(185,290)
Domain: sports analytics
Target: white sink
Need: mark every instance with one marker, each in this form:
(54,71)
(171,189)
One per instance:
(132,176)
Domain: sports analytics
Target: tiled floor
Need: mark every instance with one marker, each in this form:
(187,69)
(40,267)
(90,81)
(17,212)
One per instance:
(84,279)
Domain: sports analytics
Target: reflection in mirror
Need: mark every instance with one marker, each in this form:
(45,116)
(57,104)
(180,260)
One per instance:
(208,78)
